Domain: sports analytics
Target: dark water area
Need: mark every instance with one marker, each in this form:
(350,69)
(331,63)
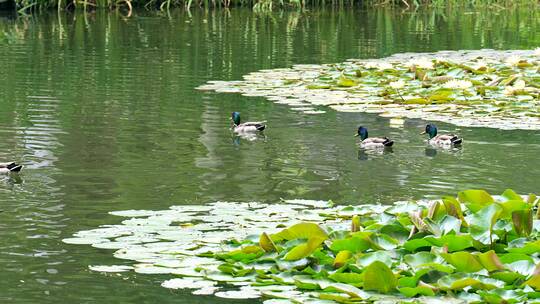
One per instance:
(103,113)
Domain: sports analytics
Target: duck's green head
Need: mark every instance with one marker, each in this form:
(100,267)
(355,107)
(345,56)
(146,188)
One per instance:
(431,129)
(362,133)
(235,116)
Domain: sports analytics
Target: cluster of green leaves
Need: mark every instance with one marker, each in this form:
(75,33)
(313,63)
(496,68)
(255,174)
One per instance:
(489,83)
(474,247)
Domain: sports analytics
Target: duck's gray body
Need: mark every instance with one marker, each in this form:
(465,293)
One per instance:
(372,142)
(445,140)
(246,127)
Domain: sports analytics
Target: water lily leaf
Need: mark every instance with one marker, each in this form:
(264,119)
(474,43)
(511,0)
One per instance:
(348,289)
(490,261)
(348,278)
(523,221)
(534,281)
(369,258)
(522,245)
(508,258)
(449,224)
(459,282)
(345,82)
(453,207)
(341,258)
(421,258)
(352,244)
(415,244)
(452,242)
(304,250)
(245,254)
(235,270)
(475,199)
(463,261)
(481,223)
(512,205)
(509,277)
(414,291)
(300,231)
(523,267)
(355,223)
(379,277)
(501,296)
(510,195)
(267,244)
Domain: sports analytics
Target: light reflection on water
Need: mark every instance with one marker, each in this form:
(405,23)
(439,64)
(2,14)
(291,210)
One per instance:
(103,113)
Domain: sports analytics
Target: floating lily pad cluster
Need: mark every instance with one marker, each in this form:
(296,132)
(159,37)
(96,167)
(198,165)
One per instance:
(473,248)
(488,88)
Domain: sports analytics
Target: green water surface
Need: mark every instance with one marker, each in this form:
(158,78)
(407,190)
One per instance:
(103,113)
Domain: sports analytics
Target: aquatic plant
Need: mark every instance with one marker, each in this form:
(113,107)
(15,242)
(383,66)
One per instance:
(496,89)
(469,248)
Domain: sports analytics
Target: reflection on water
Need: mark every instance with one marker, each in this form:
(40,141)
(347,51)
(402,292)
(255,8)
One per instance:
(102,112)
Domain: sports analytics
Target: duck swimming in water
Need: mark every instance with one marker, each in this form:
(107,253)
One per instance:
(246,127)
(441,139)
(10,167)
(372,142)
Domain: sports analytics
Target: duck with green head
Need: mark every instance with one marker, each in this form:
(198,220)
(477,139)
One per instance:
(441,139)
(246,127)
(9,167)
(372,142)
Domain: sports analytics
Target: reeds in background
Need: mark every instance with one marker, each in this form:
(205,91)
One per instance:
(28,6)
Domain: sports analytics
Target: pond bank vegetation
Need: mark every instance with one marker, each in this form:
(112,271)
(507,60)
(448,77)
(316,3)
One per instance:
(28,6)
(472,248)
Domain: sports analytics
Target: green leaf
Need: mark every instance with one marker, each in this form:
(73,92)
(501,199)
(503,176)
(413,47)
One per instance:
(481,223)
(304,250)
(453,207)
(490,261)
(501,296)
(349,278)
(369,258)
(452,242)
(420,258)
(414,291)
(300,231)
(379,277)
(352,244)
(266,243)
(345,82)
(510,206)
(510,195)
(459,281)
(348,289)
(522,245)
(341,258)
(523,221)
(475,199)
(415,244)
(463,261)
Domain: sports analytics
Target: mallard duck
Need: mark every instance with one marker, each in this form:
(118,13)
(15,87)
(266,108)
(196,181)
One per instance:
(246,127)
(442,139)
(10,167)
(372,142)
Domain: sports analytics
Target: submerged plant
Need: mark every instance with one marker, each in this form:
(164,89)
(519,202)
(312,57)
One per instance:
(471,248)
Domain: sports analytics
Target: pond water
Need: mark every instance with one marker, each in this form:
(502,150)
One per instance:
(103,113)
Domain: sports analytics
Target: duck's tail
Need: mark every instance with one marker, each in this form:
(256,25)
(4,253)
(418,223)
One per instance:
(388,143)
(260,127)
(456,140)
(14,167)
